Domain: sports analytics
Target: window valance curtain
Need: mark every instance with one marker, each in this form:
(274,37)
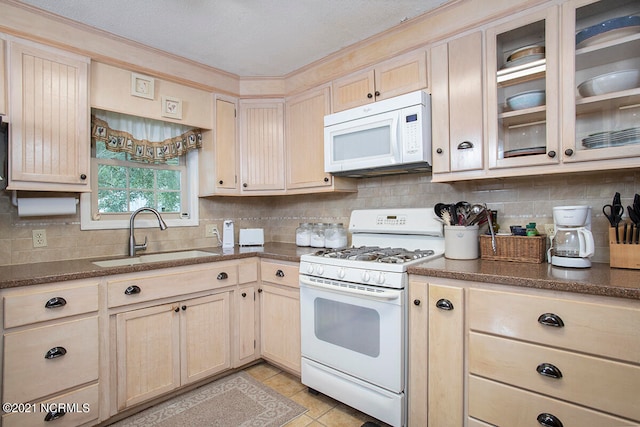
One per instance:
(144,139)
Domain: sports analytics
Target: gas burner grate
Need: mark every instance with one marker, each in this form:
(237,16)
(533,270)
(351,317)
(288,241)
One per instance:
(376,254)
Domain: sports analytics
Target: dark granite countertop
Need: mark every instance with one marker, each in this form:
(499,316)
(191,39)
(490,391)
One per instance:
(600,279)
(48,272)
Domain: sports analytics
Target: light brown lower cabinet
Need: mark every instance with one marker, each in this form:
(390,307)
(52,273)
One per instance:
(490,355)
(162,347)
(280,315)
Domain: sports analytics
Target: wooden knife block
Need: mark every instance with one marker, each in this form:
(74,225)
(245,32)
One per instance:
(621,255)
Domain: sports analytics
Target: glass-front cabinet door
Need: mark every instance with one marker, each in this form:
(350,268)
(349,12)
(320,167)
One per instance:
(522,90)
(601,81)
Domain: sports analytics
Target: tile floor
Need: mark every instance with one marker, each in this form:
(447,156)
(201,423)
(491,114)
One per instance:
(322,410)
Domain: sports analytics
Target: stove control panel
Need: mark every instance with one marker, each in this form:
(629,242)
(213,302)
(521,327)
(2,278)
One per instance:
(391,220)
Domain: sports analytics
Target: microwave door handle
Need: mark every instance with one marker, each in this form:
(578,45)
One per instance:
(382,294)
(396,150)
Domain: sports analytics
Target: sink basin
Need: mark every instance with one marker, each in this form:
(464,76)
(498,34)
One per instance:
(145,259)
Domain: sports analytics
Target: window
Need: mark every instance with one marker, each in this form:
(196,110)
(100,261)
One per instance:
(125,176)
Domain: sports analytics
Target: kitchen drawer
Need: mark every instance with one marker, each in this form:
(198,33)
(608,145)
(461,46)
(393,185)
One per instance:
(81,406)
(148,286)
(281,273)
(502,405)
(27,305)
(599,329)
(583,378)
(28,375)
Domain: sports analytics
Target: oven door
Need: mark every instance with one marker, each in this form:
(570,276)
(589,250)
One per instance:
(358,330)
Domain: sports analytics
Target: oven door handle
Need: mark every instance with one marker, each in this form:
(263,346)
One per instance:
(381,294)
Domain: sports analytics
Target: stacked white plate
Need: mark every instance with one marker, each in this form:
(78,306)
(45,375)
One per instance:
(612,138)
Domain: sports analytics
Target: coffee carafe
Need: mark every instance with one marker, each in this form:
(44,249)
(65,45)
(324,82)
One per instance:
(572,242)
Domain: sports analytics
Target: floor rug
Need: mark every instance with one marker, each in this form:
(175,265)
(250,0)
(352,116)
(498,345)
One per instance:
(233,401)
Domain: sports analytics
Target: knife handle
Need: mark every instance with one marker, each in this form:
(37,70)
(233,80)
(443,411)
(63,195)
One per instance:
(624,234)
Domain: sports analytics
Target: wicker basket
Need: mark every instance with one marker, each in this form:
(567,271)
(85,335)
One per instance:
(530,249)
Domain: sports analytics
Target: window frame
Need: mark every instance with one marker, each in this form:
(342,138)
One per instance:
(190,206)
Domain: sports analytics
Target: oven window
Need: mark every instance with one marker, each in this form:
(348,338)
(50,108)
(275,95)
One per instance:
(349,326)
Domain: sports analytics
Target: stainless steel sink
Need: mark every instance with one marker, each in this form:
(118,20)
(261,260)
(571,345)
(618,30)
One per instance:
(145,259)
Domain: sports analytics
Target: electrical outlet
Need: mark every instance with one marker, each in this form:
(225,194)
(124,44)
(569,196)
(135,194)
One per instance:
(211,230)
(39,238)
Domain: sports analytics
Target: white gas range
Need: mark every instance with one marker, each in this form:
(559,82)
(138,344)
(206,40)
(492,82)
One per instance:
(353,305)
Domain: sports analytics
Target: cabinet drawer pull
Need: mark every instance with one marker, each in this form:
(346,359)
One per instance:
(55,352)
(549,370)
(55,302)
(222,276)
(132,290)
(279,273)
(549,420)
(550,319)
(465,145)
(444,304)
(568,152)
(54,415)
(551,154)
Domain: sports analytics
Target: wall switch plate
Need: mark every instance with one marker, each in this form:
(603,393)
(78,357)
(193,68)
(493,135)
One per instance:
(39,238)
(211,230)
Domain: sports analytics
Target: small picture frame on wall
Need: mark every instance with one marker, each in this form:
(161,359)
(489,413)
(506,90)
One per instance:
(142,86)
(171,107)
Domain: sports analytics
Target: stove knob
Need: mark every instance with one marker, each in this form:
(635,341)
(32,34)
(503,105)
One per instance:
(341,273)
(320,270)
(366,276)
(380,279)
(310,269)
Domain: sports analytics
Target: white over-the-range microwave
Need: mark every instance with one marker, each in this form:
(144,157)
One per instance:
(384,137)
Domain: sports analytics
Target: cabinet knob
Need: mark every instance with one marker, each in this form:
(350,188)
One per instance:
(55,352)
(444,304)
(465,145)
(222,276)
(54,415)
(549,370)
(550,319)
(377,93)
(55,302)
(245,185)
(259,290)
(244,295)
(568,152)
(83,176)
(549,420)
(369,95)
(439,151)
(184,307)
(221,182)
(132,290)
(416,302)
(279,273)
(177,309)
(551,154)
(326,179)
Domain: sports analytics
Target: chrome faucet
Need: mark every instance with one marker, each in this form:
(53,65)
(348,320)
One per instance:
(133,248)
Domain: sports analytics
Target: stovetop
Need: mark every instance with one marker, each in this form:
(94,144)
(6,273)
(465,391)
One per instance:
(375,254)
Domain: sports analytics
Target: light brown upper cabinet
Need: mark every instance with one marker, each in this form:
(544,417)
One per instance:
(600,126)
(226,147)
(3,80)
(456,104)
(523,91)
(304,121)
(49,148)
(262,145)
(403,74)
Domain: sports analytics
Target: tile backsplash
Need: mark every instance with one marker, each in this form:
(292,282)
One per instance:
(517,200)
